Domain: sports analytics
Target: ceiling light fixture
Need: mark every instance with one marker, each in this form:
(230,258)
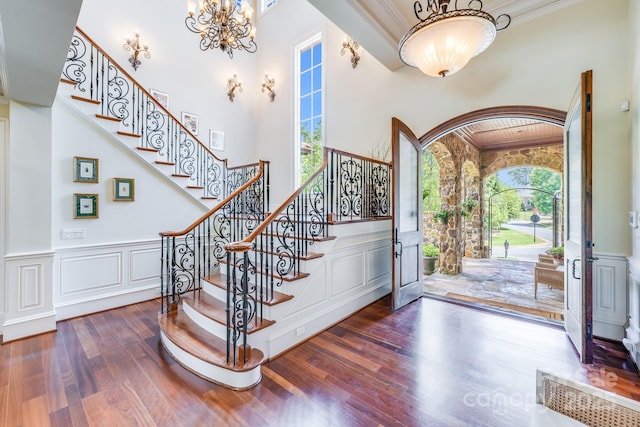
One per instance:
(447,38)
(221,25)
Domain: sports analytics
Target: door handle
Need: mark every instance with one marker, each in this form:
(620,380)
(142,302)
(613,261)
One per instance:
(398,253)
(396,244)
(573,268)
(592,258)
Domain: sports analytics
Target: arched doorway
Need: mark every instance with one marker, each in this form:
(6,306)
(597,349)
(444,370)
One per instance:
(472,147)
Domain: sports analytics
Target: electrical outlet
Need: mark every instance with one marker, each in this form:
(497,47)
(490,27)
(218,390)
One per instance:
(73,233)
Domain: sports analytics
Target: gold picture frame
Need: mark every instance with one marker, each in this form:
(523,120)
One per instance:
(85,169)
(123,189)
(85,206)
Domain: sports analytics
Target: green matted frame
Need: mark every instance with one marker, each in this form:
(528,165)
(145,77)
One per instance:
(85,206)
(123,189)
(85,169)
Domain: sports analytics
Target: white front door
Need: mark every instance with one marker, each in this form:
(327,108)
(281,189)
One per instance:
(407,215)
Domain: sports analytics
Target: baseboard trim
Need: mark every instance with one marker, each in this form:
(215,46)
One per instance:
(28,326)
(84,306)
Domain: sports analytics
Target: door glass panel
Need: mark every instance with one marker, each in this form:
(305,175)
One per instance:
(408,187)
(574,202)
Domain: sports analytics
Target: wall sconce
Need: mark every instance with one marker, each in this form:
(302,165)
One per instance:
(232,85)
(268,84)
(352,46)
(134,46)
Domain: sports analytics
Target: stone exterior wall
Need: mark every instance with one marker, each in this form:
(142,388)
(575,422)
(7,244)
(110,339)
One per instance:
(547,156)
(462,172)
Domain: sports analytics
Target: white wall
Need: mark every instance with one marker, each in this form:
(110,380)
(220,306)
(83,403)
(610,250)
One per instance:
(535,63)
(158,206)
(634,158)
(195,80)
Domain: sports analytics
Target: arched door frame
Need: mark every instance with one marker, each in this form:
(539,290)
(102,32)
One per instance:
(548,115)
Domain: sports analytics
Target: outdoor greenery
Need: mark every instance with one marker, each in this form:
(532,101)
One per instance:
(431,251)
(557,252)
(444,214)
(542,179)
(311,153)
(430,182)
(515,238)
(506,205)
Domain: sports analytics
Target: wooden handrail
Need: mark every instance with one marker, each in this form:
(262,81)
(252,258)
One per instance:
(130,77)
(268,220)
(218,206)
(230,168)
(358,156)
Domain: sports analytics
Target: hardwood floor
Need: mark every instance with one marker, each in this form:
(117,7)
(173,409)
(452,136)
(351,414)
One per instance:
(431,364)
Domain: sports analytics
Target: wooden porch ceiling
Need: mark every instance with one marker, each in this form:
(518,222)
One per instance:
(510,133)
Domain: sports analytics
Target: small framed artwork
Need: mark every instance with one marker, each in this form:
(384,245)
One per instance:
(216,140)
(161,97)
(85,170)
(123,189)
(85,206)
(190,121)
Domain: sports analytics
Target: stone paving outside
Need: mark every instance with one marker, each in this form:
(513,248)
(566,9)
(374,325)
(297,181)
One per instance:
(497,280)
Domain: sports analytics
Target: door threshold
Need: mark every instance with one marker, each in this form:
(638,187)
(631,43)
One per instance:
(498,310)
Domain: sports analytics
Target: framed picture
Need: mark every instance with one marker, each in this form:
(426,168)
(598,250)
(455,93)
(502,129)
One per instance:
(216,140)
(161,97)
(85,206)
(190,121)
(123,189)
(85,169)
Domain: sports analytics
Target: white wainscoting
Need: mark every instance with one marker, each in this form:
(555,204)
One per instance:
(354,272)
(28,302)
(94,278)
(609,296)
(632,339)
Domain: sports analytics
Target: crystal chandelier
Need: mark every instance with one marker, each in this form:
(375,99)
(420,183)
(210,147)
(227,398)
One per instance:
(447,38)
(221,25)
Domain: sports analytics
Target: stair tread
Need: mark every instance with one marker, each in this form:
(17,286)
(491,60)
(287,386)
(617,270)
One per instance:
(220,280)
(287,278)
(315,239)
(83,99)
(153,150)
(211,307)
(133,135)
(193,339)
(112,119)
(162,162)
(307,257)
(67,81)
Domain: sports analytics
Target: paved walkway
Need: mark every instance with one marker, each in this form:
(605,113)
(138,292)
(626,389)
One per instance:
(506,282)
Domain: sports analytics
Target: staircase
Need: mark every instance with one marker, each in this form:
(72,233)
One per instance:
(253,289)
(101,91)
(241,285)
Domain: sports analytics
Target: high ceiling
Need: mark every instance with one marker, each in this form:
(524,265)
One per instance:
(30,63)
(379,25)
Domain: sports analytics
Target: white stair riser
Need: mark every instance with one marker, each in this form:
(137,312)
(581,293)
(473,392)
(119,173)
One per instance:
(216,374)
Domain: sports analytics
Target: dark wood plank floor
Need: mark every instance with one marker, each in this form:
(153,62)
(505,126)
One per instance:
(431,364)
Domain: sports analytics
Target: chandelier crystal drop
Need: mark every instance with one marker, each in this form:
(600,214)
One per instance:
(221,24)
(445,40)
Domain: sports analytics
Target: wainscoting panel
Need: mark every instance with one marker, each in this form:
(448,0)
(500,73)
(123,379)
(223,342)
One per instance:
(28,303)
(31,292)
(347,272)
(353,273)
(90,273)
(632,338)
(609,296)
(99,277)
(144,265)
(379,262)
